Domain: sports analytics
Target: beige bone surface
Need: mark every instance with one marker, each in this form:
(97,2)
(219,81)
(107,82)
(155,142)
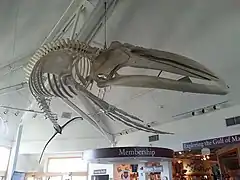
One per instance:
(125,55)
(70,66)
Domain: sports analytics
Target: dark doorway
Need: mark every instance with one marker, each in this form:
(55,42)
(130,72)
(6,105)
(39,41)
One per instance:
(100,177)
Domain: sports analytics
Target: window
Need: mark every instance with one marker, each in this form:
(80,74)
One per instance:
(67,165)
(153,138)
(4,157)
(79,177)
(55,178)
(232,121)
(237,119)
(75,165)
(30,178)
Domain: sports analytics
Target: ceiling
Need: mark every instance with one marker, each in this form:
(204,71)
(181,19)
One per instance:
(207,31)
(24,26)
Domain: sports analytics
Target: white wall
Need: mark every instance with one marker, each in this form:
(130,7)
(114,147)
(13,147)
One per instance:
(108,167)
(206,126)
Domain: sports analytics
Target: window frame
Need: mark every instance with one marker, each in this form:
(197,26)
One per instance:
(4,173)
(66,157)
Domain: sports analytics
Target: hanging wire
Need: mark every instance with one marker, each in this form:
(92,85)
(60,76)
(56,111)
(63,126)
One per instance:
(91,3)
(15,30)
(105,25)
(53,136)
(102,95)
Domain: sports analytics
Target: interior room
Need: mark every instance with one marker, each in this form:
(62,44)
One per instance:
(119,90)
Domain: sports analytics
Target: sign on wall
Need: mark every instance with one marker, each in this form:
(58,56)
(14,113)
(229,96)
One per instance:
(100,171)
(153,169)
(137,152)
(212,143)
(132,152)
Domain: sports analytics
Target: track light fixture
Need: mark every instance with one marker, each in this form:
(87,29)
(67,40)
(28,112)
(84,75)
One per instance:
(17,113)
(203,110)
(6,111)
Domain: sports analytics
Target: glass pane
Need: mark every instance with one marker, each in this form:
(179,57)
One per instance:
(230,121)
(56,178)
(237,119)
(30,178)
(4,156)
(79,177)
(67,165)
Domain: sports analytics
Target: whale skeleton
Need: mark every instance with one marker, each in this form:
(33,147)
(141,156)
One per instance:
(67,69)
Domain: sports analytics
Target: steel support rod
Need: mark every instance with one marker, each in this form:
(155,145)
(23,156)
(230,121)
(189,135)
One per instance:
(96,20)
(76,19)
(20,109)
(65,17)
(13,88)
(15,65)
(57,29)
(65,28)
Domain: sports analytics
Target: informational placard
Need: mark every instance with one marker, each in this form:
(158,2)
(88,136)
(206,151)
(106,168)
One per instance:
(99,171)
(153,169)
(212,143)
